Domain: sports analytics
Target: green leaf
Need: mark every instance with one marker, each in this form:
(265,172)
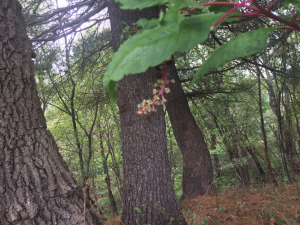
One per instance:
(173,15)
(220,8)
(194,30)
(147,24)
(111,93)
(140,4)
(249,43)
(295,3)
(151,47)
(138,209)
(192,4)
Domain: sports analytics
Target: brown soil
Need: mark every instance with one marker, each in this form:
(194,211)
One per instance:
(264,205)
(251,206)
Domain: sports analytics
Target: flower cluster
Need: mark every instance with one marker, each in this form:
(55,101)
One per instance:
(158,98)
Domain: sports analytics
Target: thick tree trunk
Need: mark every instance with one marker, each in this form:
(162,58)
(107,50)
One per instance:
(148,191)
(197,176)
(35,184)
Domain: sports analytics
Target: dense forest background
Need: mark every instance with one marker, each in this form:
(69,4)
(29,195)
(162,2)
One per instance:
(247,109)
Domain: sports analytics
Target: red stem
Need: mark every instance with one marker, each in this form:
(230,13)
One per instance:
(160,93)
(278,18)
(229,12)
(270,6)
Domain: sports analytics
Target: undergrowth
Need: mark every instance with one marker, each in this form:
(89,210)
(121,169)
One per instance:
(266,205)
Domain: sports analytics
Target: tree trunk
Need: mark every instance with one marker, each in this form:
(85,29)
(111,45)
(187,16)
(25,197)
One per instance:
(262,125)
(216,163)
(112,202)
(197,176)
(148,196)
(35,184)
(274,102)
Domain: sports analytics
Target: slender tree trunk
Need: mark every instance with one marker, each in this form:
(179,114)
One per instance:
(197,176)
(216,163)
(274,101)
(291,152)
(149,196)
(262,174)
(35,184)
(113,206)
(262,124)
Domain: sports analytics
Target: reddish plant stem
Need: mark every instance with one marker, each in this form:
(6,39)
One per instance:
(160,93)
(229,12)
(273,16)
(233,4)
(143,109)
(293,12)
(260,11)
(270,6)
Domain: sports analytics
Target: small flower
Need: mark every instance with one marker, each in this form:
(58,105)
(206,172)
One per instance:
(160,81)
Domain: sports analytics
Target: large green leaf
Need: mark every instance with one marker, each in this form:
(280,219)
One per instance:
(246,44)
(151,47)
(140,4)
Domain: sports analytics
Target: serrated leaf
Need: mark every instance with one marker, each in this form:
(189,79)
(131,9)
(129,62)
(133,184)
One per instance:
(249,43)
(151,47)
(140,4)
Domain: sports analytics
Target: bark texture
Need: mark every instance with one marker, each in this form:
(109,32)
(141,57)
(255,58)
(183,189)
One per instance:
(197,176)
(35,184)
(148,191)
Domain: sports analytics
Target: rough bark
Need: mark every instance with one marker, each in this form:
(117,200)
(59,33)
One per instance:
(148,196)
(35,184)
(197,176)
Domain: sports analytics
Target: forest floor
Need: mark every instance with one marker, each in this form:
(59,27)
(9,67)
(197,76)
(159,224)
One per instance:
(249,206)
